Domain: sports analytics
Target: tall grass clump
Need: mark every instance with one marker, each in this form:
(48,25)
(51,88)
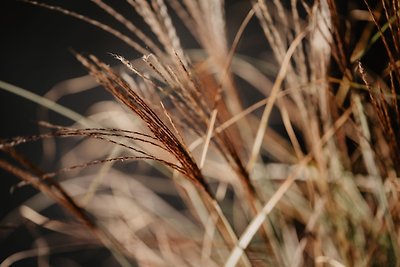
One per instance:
(286,157)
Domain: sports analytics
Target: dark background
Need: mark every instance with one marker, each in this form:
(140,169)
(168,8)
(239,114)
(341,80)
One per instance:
(35,54)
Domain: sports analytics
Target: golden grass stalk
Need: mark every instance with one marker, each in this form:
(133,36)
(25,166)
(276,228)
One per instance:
(320,190)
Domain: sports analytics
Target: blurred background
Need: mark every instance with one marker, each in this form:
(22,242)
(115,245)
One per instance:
(35,54)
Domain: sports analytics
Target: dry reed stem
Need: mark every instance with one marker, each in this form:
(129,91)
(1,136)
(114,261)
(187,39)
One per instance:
(161,132)
(254,225)
(54,191)
(273,97)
